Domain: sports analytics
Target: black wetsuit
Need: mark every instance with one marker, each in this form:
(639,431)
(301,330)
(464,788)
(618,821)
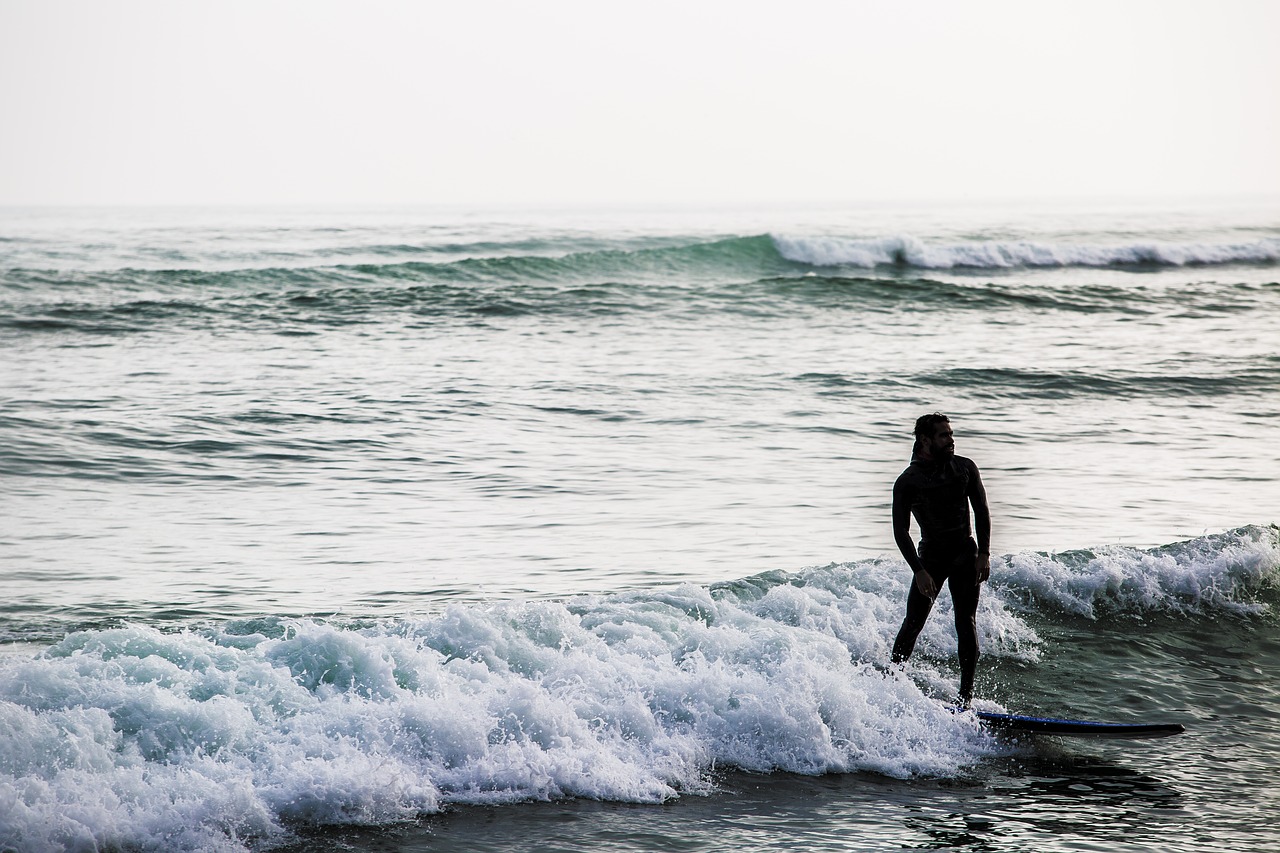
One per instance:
(939,494)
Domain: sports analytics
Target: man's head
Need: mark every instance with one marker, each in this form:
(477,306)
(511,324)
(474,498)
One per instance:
(933,436)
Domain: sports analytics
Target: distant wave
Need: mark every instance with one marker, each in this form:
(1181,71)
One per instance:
(1259,375)
(490,262)
(910,252)
(750,275)
(698,262)
(291,302)
(583,256)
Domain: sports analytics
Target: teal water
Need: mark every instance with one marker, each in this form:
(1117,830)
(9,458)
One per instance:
(429,530)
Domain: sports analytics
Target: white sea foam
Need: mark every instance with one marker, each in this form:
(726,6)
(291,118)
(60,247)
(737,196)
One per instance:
(910,251)
(184,741)
(1225,572)
(134,737)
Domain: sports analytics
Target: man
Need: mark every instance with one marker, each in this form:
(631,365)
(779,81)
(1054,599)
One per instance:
(937,488)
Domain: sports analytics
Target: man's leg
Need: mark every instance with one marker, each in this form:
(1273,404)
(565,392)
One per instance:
(964,599)
(918,607)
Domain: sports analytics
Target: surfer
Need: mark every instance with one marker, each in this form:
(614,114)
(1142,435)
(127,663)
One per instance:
(938,488)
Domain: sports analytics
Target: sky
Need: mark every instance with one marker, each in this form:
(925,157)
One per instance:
(135,102)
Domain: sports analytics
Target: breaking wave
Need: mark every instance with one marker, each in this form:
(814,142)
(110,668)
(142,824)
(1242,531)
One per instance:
(225,738)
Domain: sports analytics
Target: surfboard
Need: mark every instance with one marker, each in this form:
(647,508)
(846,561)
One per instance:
(1077,728)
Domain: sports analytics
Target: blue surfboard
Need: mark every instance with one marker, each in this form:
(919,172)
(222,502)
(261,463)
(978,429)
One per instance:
(1077,728)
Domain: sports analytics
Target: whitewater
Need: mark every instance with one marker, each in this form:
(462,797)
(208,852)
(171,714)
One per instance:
(194,739)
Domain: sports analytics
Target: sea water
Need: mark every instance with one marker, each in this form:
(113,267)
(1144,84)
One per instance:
(443,530)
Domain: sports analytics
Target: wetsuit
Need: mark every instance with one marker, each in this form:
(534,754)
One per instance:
(938,494)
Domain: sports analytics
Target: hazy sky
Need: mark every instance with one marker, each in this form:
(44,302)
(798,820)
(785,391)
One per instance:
(634,102)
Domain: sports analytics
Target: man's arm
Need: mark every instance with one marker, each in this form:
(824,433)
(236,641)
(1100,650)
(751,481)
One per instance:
(981,523)
(902,535)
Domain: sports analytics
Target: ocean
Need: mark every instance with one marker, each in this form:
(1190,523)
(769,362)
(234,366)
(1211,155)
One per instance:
(441,530)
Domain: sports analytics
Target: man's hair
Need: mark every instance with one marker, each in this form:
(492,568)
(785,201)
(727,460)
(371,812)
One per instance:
(926,424)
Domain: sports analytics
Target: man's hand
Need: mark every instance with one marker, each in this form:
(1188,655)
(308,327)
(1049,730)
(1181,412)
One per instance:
(982,567)
(924,583)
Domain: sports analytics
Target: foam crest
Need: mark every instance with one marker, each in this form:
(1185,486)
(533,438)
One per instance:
(1228,572)
(136,738)
(905,250)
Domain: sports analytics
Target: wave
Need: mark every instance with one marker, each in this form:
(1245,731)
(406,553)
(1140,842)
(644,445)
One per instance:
(592,282)
(743,274)
(133,737)
(221,739)
(297,301)
(729,272)
(691,260)
(1231,376)
(1233,572)
(907,251)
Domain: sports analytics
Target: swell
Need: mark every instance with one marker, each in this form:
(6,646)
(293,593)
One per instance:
(583,257)
(755,274)
(1230,377)
(295,300)
(750,256)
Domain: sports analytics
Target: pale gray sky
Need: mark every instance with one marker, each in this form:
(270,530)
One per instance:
(150,101)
